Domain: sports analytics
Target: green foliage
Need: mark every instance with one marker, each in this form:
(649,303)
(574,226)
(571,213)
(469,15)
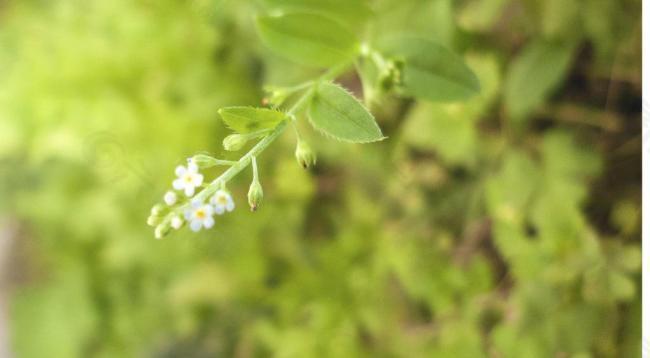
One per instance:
(480,15)
(431,71)
(249,119)
(505,224)
(539,68)
(352,12)
(337,114)
(308,39)
(450,129)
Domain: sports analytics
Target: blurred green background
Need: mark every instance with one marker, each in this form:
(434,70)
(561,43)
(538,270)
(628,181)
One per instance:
(504,226)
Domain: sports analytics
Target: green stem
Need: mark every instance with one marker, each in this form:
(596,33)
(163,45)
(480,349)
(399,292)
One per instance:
(245,161)
(254,165)
(242,163)
(224,162)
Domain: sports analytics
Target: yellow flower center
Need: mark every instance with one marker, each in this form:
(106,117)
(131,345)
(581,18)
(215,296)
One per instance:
(200,214)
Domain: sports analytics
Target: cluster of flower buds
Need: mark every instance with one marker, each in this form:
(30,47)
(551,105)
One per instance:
(275,96)
(194,203)
(180,206)
(391,75)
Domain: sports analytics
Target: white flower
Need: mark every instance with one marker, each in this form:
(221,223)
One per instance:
(200,215)
(177,222)
(222,202)
(188,178)
(170,198)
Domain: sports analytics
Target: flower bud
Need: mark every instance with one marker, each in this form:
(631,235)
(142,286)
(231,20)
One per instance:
(391,76)
(170,198)
(304,155)
(162,230)
(153,220)
(157,210)
(276,96)
(255,195)
(177,222)
(204,161)
(234,142)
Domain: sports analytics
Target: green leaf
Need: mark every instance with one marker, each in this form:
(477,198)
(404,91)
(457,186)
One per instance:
(480,15)
(336,113)
(449,129)
(431,71)
(621,286)
(564,158)
(250,119)
(352,12)
(308,39)
(558,17)
(534,74)
(509,190)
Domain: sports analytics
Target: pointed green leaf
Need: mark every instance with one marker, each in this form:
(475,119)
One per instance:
(533,75)
(308,39)
(336,113)
(431,71)
(250,119)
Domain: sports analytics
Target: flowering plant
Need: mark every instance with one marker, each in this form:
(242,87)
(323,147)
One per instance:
(405,65)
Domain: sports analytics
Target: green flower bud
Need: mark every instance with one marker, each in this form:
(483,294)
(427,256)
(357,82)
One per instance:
(204,161)
(276,96)
(153,220)
(234,142)
(255,195)
(304,155)
(157,210)
(162,230)
(391,76)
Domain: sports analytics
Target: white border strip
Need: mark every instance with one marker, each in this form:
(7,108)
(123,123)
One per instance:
(645,125)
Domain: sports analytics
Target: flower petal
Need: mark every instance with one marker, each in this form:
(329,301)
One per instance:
(230,206)
(189,190)
(195,225)
(178,184)
(197,179)
(208,222)
(219,209)
(180,170)
(209,210)
(192,167)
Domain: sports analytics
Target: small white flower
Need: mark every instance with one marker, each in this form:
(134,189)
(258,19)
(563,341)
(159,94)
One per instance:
(177,222)
(222,202)
(200,215)
(170,198)
(188,178)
